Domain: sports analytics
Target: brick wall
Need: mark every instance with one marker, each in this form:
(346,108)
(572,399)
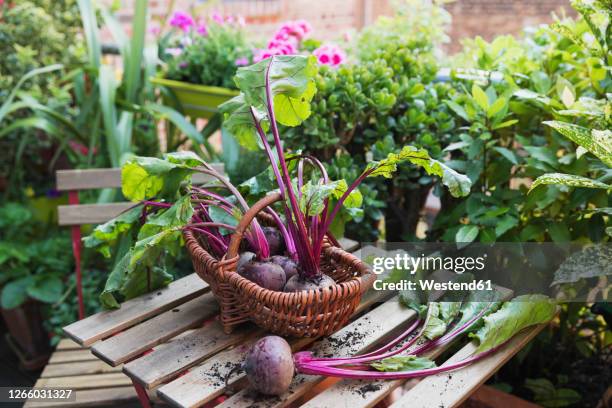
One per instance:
(332,18)
(489,18)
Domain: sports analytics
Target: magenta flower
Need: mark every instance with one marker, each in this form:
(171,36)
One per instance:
(183,64)
(182,20)
(202,29)
(330,54)
(217,18)
(242,61)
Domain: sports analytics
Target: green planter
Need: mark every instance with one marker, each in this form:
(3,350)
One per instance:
(197,101)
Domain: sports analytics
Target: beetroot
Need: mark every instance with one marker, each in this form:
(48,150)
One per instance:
(275,239)
(266,274)
(297,283)
(244,258)
(289,265)
(269,365)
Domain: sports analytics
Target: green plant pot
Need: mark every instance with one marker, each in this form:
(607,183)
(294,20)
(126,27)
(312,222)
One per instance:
(197,101)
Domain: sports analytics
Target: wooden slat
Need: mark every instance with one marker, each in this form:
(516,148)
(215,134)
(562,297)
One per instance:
(354,338)
(138,339)
(83,214)
(68,344)
(86,382)
(91,179)
(451,389)
(70,356)
(183,353)
(359,394)
(93,398)
(78,368)
(104,324)
(207,381)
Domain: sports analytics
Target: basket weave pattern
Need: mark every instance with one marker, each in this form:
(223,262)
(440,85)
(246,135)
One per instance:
(308,313)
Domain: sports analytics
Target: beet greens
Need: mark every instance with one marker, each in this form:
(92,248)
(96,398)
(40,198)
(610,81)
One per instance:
(279,89)
(491,325)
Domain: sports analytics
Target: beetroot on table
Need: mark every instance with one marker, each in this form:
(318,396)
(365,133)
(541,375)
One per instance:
(266,274)
(269,365)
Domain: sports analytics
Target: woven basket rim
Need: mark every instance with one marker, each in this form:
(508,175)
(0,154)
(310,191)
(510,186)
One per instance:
(198,251)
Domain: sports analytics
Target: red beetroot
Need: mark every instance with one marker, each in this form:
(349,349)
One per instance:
(266,274)
(289,265)
(297,283)
(269,365)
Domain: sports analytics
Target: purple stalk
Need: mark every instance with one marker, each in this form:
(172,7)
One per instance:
(218,246)
(305,366)
(376,353)
(286,236)
(259,241)
(451,335)
(156,204)
(372,357)
(328,218)
(307,258)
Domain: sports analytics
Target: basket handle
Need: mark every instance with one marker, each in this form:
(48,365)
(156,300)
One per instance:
(246,220)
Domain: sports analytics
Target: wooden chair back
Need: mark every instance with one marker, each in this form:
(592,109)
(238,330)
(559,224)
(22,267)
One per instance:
(75,214)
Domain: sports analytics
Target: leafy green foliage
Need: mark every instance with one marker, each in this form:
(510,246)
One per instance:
(34,261)
(403,363)
(458,184)
(382,102)
(209,59)
(512,317)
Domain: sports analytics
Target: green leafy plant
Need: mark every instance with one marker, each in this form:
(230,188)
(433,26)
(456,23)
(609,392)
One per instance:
(206,53)
(384,98)
(33,267)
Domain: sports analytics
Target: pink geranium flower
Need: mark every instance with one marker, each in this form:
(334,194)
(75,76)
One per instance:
(202,29)
(182,20)
(242,61)
(330,54)
(217,18)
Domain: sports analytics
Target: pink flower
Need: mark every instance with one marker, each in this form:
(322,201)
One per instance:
(296,29)
(181,20)
(330,54)
(217,18)
(285,46)
(242,61)
(202,29)
(154,29)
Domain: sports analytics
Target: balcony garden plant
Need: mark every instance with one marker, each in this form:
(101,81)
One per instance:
(287,256)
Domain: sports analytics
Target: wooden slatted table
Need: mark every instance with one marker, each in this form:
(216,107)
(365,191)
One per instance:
(171,347)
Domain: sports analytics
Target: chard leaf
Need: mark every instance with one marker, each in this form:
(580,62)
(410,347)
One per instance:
(472,307)
(439,316)
(141,268)
(512,317)
(458,184)
(598,142)
(146,177)
(312,200)
(105,234)
(590,262)
(569,180)
(291,81)
(403,363)
(239,122)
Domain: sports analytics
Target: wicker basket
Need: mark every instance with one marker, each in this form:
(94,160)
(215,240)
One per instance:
(309,313)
